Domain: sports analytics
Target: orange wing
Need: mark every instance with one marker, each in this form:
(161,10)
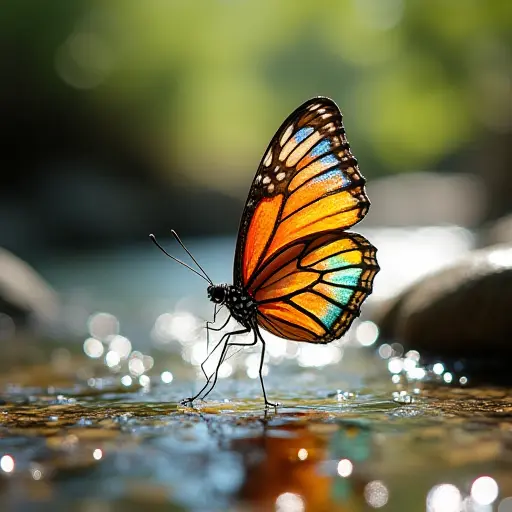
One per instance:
(308,183)
(313,290)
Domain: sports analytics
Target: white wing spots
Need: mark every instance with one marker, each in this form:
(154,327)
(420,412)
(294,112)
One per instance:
(325,116)
(268,158)
(271,188)
(281,176)
(266,180)
(321,111)
(258,179)
(286,135)
(277,169)
(315,106)
(330,127)
(302,149)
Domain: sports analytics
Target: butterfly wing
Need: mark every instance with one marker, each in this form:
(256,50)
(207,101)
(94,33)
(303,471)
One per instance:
(313,290)
(307,191)
(307,183)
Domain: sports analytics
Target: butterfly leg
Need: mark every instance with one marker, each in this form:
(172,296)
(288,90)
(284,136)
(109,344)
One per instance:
(188,401)
(267,403)
(223,355)
(208,329)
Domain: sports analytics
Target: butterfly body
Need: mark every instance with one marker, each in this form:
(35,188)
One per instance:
(298,273)
(239,303)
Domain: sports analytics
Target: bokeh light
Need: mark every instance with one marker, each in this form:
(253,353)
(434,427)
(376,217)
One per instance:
(438,368)
(290,502)
(376,494)
(444,498)
(120,344)
(126,380)
(7,464)
(302,454)
(345,468)
(102,325)
(93,348)
(484,490)
(112,359)
(367,333)
(166,377)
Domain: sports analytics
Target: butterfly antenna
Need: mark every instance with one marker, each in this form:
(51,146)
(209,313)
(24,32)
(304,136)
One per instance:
(175,235)
(153,238)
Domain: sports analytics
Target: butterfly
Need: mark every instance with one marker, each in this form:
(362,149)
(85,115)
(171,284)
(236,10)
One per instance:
(298,273)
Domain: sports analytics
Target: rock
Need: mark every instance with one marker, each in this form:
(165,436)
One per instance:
(498,232)
(24,295)
(463,312)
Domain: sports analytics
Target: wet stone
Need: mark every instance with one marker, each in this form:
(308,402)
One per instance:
(459,314)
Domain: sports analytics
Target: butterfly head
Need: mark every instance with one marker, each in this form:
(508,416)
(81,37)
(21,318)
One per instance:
(217,293)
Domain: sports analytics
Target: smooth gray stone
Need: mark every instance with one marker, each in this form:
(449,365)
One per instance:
(464,311)
(24,295)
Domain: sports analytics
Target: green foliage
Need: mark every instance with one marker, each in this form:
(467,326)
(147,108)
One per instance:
(202,86)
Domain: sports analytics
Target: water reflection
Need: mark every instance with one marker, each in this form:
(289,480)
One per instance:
(358,424)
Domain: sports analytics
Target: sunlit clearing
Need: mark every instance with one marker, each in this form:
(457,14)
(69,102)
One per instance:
(484,490)
(303,454)
(166,377)
(314,355)
(345,468)
(379,15)
(290,502)
(376,494)
(438,368)
(112,359)
(97,454)
(181,326)
(444,498)
(126,380)
(120,344)
(7,464)
(367,333)
(103,325)
(93,348)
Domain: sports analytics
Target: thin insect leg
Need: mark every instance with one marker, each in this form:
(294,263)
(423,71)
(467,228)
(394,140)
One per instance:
(227,335)
(208,354)
(267,403)
(223,356)
(208,328)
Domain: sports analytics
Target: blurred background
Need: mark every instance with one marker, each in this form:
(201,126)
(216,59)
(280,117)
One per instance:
(125,118)
(129,117)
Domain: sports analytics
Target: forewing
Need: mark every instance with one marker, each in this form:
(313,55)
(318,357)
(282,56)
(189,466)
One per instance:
(307,183)
(313,290)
